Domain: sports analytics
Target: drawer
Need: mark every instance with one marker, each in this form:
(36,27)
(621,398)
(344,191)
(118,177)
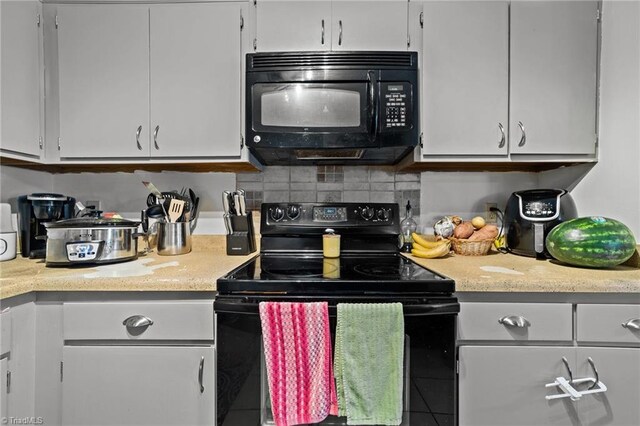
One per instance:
(191,320)
(603,323)
(498,321)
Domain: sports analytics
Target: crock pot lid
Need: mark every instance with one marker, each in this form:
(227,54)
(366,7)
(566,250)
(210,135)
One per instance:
(45,196)
(92,222)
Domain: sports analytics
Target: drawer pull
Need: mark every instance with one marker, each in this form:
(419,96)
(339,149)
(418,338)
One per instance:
(137,321)
(632,324)
(514,321)
(595,371)
(201,374)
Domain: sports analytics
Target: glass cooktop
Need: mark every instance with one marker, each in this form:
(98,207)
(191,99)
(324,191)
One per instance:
(352,274)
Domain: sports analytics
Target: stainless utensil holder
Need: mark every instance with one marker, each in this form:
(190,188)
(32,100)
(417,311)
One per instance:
(174,238)
(242,240)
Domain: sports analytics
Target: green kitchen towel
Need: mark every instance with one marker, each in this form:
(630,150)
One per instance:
(369,353)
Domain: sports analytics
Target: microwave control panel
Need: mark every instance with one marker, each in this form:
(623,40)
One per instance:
(396,104)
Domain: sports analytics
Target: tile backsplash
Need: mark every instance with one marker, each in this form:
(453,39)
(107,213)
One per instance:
(330,184)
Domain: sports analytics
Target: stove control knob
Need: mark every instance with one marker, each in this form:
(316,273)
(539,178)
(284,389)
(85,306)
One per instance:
(382,215)
(367,213)
(293,211)
(277,214)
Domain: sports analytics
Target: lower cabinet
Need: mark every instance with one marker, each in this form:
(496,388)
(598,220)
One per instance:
(503,377)
(138,385)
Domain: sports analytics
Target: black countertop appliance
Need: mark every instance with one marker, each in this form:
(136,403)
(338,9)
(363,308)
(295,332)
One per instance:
(530,215)
(33,212)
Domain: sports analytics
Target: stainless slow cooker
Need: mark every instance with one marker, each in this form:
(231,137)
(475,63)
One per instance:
(91,241)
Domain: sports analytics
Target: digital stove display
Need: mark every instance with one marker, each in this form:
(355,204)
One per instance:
(329,214)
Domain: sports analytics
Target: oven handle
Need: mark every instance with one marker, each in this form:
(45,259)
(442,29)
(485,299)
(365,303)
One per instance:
(411,310)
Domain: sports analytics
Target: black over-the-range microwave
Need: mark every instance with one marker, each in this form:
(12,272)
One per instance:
(331,107)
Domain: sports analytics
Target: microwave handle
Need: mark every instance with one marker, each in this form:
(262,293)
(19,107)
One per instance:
(373,106)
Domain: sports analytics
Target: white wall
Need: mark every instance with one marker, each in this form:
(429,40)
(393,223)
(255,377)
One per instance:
(465,193)
(612,187)
(15,181)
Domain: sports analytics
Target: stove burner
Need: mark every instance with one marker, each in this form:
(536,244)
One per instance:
(310,268)
(377,270)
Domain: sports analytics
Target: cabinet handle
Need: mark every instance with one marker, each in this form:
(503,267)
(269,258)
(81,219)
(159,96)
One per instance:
(322,37)
(514,321)
(138,137)
(632,324)
(566,365)
(503,137)
(340,33)
(523,139)
(200,374)
(137,321)
(155,137)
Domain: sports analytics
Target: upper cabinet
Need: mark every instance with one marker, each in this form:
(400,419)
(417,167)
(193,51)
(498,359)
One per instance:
(21,75)
(103,62)
(553,77)
(331,25)
(465,78)
(150,80)
(506,78)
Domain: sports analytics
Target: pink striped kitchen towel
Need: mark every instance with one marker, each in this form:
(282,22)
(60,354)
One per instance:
(297,348)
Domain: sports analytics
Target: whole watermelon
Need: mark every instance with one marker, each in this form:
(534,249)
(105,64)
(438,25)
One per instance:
(596,242)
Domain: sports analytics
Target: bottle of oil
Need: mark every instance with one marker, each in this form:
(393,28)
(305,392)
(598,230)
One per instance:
(407,226)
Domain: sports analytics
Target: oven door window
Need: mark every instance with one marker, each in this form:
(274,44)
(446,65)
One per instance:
(310,107)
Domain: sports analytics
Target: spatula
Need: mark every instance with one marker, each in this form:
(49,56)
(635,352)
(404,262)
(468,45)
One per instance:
(175,209)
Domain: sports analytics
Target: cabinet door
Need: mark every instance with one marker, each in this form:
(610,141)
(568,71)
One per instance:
(138,385)
(465,78)
(103,54)
(21,76)
(4,369)
(500,385)
(293,25)
(553,77)
(195,80)
(376,25)
(619,370)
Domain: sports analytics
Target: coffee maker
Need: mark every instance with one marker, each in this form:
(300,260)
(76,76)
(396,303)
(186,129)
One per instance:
(33,212)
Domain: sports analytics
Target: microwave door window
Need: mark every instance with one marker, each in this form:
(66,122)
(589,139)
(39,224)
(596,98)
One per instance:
(303,107)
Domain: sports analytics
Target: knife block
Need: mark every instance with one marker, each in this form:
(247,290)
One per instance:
(243,239)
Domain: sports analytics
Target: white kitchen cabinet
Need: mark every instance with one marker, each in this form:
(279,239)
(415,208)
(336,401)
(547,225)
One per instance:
(21,75)
(553,59)
(138,385)
(465,69)
(619,370)
(331,25)
(159,81)
(4,387)
(509,79)
(103,60)
(153,360)
(293,25)
(195,80)
(501,385)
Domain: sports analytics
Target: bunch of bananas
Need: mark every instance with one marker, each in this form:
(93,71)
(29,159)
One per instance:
(429,249)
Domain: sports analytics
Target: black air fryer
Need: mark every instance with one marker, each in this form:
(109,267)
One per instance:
(530,216)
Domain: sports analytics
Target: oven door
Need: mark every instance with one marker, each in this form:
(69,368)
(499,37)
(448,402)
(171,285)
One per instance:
(429,365)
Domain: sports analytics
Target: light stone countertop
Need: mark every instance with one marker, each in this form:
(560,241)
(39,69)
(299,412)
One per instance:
(200,269)
(195,271)
(497,272)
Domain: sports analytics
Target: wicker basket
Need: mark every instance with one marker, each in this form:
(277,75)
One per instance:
(471,248)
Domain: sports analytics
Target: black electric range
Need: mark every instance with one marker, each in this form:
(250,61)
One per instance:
(370,269)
